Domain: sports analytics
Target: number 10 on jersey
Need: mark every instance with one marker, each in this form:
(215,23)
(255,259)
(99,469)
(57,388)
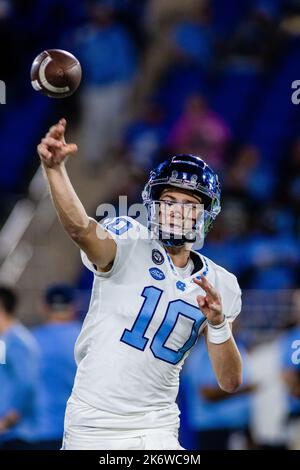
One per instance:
(176,308)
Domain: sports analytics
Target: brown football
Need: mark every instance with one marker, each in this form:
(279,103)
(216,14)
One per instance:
(56,73)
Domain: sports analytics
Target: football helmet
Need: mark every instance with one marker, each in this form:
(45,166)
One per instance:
(191,173)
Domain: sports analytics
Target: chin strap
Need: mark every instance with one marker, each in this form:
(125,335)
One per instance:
(168,239)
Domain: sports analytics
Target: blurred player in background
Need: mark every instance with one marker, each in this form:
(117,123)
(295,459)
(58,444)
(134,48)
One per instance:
(19,378)
(290,363)
(152,298)
(220,420)
(56,340)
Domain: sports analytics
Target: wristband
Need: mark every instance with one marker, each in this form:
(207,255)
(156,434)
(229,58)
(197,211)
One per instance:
(218,334)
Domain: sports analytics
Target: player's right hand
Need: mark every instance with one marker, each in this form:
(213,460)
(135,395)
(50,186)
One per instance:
(53,149)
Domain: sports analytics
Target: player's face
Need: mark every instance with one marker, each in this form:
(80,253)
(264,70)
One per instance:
(179,210)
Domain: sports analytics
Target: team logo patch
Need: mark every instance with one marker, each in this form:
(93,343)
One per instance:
(180,285)
(157,257)
(157,274)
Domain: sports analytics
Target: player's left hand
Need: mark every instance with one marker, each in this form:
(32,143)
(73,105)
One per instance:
(210,304)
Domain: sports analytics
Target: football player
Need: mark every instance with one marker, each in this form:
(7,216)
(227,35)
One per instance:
(152,297)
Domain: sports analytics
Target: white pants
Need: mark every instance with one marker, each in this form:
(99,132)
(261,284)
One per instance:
(155,440)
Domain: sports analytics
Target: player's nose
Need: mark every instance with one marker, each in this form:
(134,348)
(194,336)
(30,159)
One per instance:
(176,210)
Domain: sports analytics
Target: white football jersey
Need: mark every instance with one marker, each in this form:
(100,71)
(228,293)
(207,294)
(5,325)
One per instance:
(142,322)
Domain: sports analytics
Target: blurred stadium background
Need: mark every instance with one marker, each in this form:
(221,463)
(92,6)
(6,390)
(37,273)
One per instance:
(160,76)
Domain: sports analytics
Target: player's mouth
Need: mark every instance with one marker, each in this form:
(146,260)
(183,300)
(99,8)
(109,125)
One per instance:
(178,229)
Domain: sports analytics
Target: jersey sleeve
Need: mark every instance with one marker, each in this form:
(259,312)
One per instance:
(125,231)
(236,303)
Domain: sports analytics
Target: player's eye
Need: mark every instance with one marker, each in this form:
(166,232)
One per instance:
(186,206)
(167,201)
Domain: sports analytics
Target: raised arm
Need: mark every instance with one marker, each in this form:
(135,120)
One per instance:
(98,245)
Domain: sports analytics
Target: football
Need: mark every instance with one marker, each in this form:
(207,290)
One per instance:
(56,73)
